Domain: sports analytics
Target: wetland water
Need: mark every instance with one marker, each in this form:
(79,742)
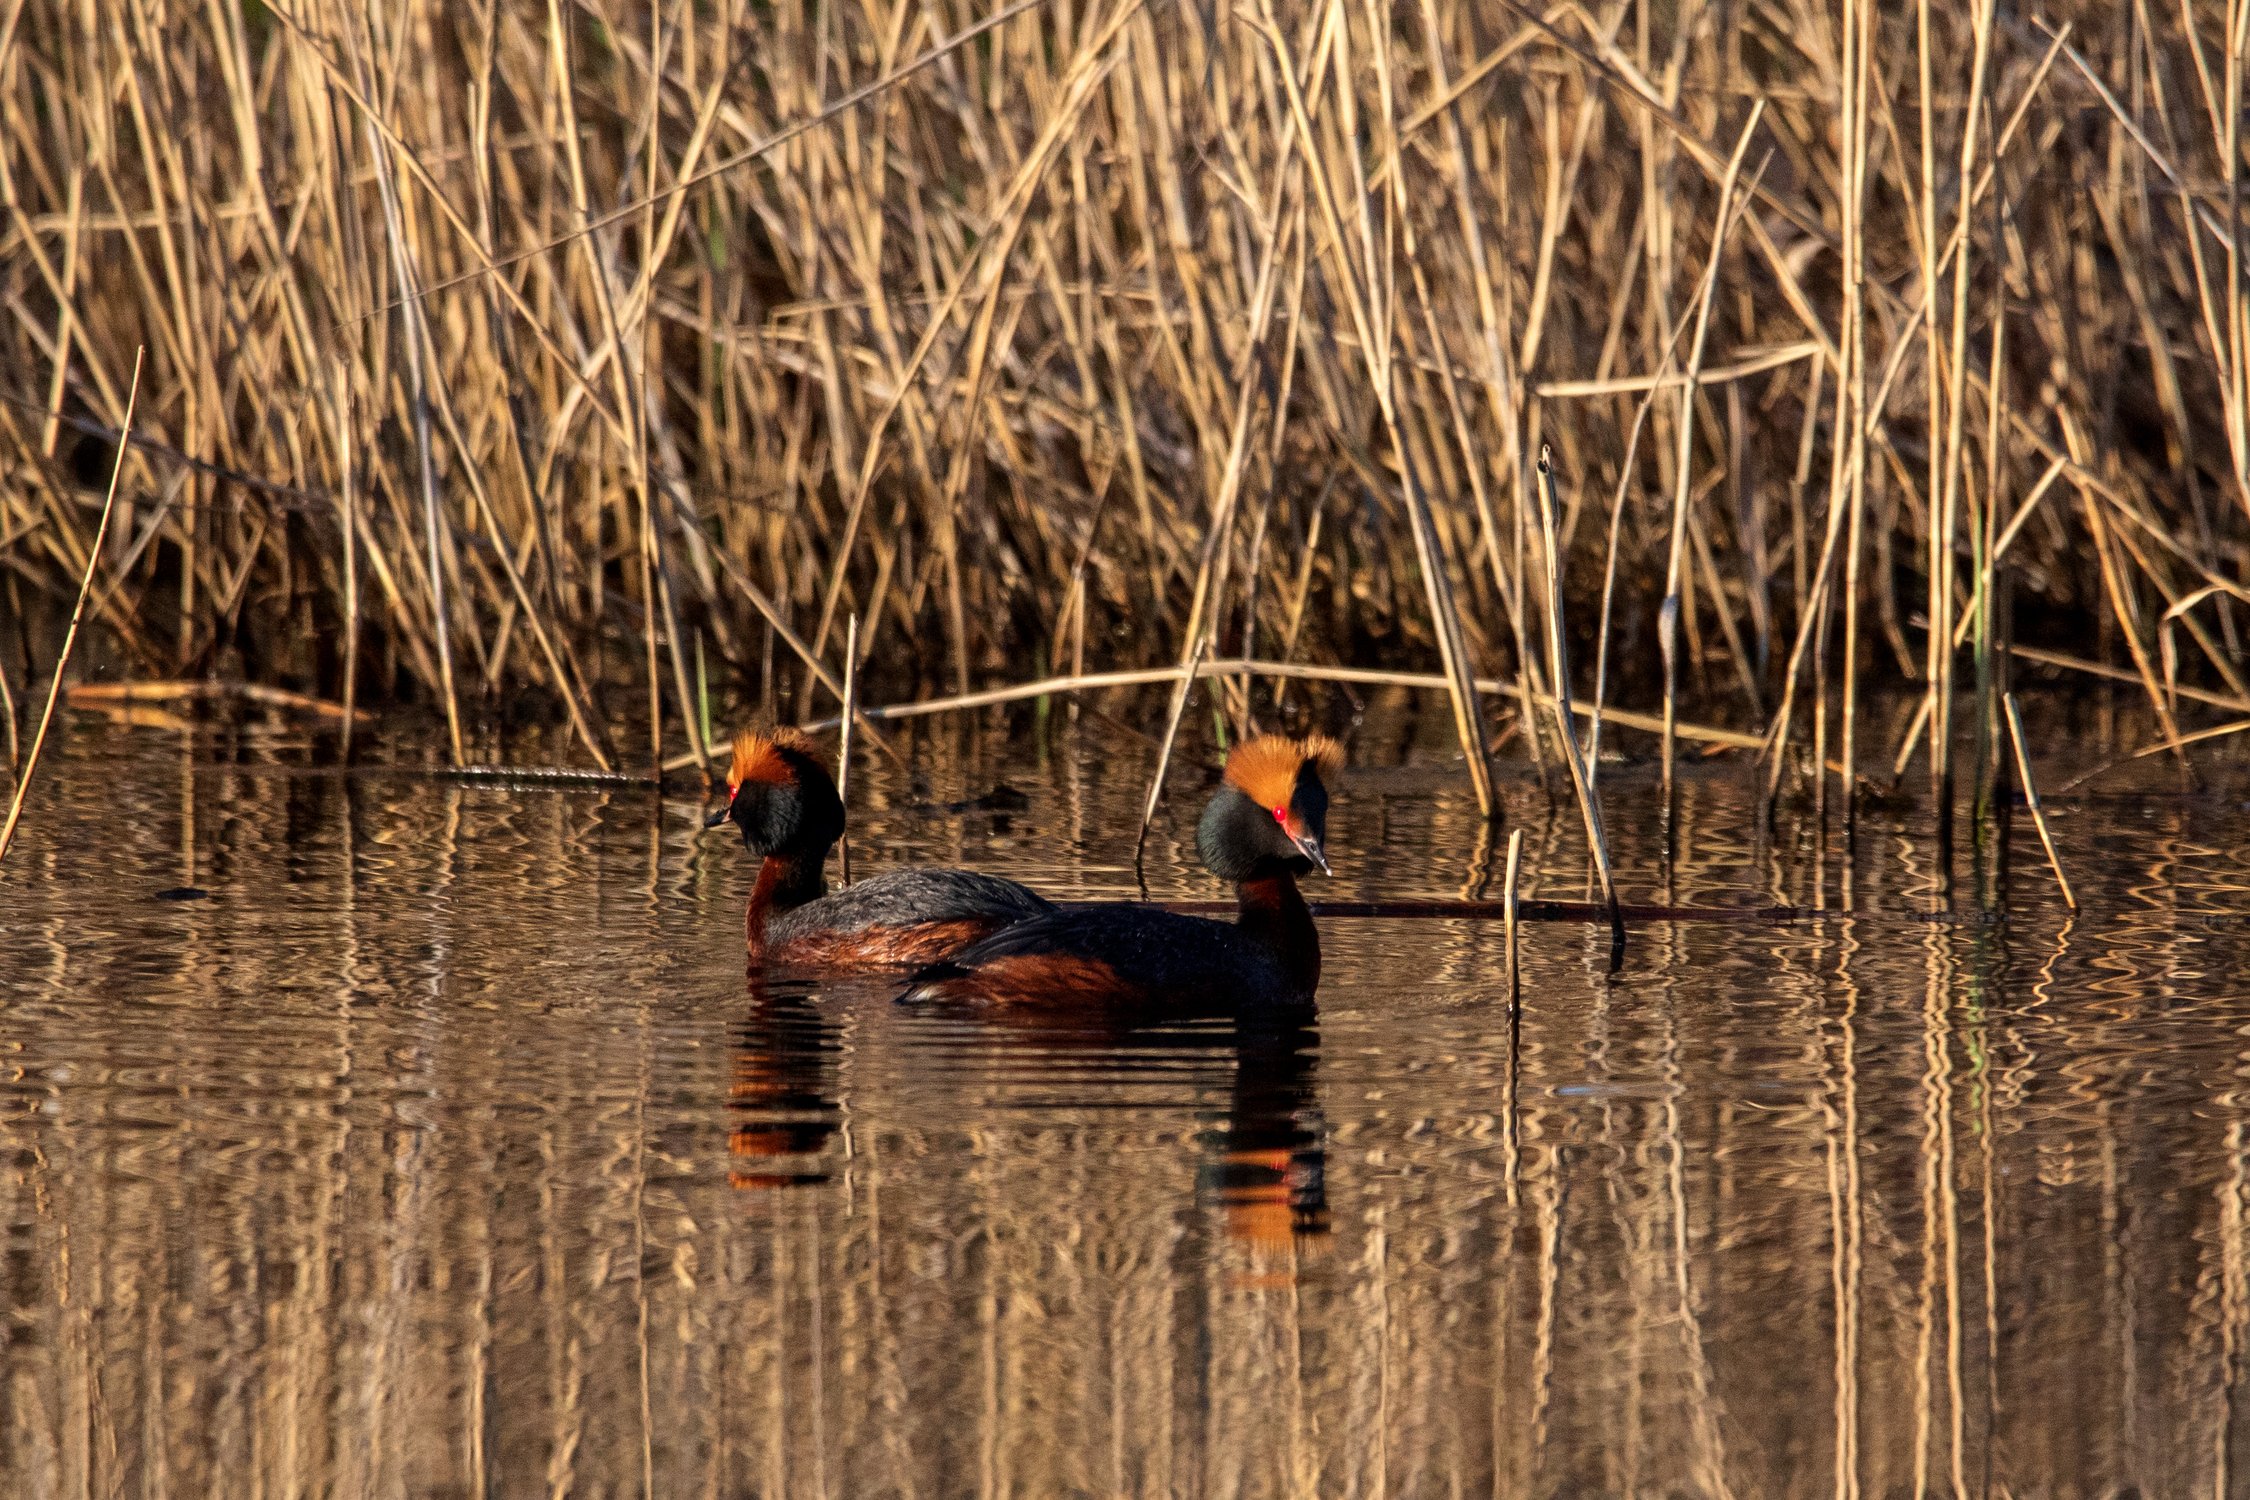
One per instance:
(443,1149)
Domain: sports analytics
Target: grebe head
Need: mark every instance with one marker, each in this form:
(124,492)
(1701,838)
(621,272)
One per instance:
(780,796)
(1270,815)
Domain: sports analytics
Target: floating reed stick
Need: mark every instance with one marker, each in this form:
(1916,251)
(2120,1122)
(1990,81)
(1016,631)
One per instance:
(77,614)
(1715,738)
(2031,800)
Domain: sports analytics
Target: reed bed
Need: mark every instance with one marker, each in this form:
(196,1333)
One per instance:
(555,358)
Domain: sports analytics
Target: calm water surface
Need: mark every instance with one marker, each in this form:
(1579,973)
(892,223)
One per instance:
(445,1150)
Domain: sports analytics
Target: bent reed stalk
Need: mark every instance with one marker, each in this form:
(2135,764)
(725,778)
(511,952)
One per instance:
(494,348)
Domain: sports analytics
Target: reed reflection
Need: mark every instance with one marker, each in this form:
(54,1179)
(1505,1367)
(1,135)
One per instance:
(421,1153)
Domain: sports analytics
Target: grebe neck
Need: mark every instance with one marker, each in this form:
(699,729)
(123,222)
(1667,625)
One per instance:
(785,882)
(1271,911)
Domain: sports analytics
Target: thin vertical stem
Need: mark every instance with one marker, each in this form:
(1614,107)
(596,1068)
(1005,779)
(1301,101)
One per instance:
(1508,912)
(1668,621)
(1574,755)
(77,614)
(844,745)
(348,513)
(2031,799)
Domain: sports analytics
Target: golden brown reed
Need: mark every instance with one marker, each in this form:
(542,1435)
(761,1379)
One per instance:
(1199,329)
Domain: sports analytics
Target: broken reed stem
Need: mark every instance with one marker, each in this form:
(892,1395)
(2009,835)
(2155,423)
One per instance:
(2031,799)
(850,719)
(77,614)
(1558,669)
(1511,916)
(1164,751)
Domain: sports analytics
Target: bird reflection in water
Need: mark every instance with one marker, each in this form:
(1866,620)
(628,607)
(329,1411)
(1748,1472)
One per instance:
(1271,1174)
(1265,1171)
(784,1089)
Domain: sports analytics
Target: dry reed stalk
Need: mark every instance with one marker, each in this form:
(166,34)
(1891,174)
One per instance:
(1452,644)
(89,693)
(849,716)
(1847,486)
(1948,497)
(8,711)
(1164,751)
(1500,383)
(1558,669)
(348,523)
(1983,539)
(1005,225)
(630,394)
(2161,747)
(1668,619)
(1710,735)
(2031,799)
(418,399)
(77,616)
(1511,915)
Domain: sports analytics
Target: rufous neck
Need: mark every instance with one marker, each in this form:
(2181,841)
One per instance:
(785,882)
(1271,910)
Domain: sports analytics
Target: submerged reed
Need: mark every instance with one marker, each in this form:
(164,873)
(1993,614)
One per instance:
(495,349)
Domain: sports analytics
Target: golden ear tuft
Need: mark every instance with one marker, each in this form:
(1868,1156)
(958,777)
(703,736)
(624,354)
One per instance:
(1267,767)
(757,756)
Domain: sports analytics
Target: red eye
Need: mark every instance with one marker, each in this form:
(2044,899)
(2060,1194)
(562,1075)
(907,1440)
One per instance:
(1281,815)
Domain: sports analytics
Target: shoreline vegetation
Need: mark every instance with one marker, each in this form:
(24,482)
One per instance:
(1717,365)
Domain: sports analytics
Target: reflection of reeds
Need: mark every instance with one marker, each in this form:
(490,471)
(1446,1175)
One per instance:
(506,348)
(347,1199)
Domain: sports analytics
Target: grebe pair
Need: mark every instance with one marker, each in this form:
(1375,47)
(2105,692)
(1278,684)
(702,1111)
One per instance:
(975,937)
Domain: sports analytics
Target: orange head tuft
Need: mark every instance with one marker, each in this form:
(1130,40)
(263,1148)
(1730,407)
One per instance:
(1267,769)
(758,757)
(1272,811)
